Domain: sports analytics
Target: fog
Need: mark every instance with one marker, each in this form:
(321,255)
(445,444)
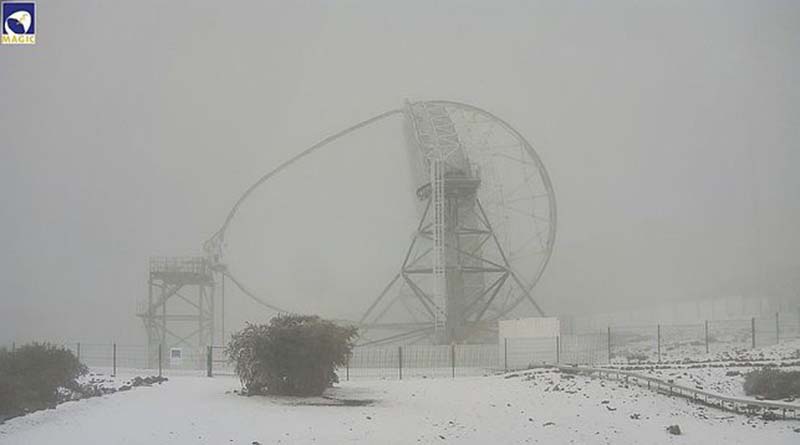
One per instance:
(670,131)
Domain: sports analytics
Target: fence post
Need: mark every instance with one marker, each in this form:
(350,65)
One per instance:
(159,359)
(777,329)
(453,359)
(209,357)
(347,368)
(659,343)
(505,353)
(79,351)
(706,336)
(114,359)
(753,331)
(609,344)
(558,349)
(400,361)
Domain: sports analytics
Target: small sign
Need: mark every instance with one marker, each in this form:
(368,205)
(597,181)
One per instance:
(175,356)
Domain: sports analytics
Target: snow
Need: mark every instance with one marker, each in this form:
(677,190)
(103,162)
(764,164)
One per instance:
(709,372)
(686,343)
(536,406)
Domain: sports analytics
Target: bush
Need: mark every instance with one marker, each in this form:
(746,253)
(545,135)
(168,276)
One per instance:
(31,376)
(772,384)
(292,355)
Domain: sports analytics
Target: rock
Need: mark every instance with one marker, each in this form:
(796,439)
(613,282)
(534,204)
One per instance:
(549,424)
(605,402)
(732,373)
(675,430)
(635,416)
(369,418)
(255,442)
(610,408)
(769,415)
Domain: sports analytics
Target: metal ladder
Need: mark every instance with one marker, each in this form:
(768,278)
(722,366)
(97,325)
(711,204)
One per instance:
(437,166)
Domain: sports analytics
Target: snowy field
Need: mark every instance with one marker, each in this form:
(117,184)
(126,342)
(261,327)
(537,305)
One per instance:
(541,406)
(721,372)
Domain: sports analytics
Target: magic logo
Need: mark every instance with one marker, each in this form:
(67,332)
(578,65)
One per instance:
(19,23)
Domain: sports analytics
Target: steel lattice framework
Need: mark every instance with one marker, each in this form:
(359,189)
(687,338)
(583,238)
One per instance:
(485,234)
(179,310)
(487,226)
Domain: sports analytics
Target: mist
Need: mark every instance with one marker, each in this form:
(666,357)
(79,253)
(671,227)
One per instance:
(669,130)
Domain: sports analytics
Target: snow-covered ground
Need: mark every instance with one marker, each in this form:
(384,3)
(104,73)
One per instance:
(721,372)
(542,406)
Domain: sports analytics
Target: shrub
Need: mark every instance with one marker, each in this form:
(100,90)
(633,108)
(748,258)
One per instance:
(31,376)
(292,355)
(772,384)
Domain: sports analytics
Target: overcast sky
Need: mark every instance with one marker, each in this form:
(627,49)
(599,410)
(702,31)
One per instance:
(671,131)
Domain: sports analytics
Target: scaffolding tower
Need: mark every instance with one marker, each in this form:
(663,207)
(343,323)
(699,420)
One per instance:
(179,311)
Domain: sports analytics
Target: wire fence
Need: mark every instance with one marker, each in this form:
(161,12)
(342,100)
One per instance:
(700,341)
(110,357)
(433,361)
(437,361)
(644,343)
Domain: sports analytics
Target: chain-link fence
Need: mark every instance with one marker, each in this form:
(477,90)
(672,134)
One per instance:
(643,343)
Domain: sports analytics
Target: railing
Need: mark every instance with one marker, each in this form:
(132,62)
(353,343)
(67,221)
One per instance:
(727,403)
(196,265)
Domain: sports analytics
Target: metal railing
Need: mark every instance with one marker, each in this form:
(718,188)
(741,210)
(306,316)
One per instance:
(727,403)
(195,265)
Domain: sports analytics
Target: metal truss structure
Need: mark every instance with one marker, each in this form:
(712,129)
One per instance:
(485,235)
(185,285)
(469,264)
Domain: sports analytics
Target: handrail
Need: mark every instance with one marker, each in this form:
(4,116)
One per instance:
(748,403)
